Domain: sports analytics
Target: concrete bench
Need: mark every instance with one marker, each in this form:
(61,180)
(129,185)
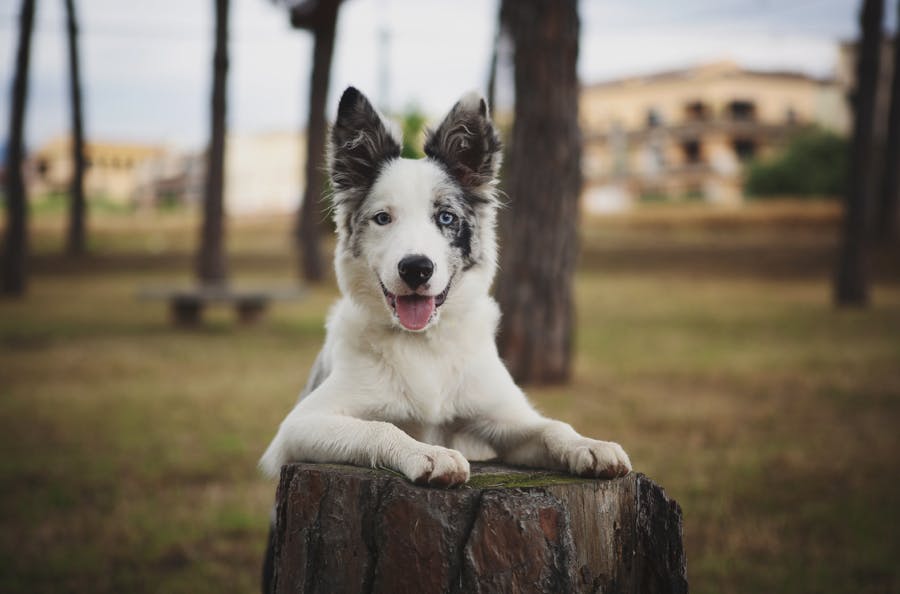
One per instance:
(186,304)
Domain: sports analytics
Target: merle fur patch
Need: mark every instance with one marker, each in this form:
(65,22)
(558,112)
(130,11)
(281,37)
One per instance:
(462,234)
(467,145)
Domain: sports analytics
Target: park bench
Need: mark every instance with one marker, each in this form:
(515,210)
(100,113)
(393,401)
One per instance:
(186,304)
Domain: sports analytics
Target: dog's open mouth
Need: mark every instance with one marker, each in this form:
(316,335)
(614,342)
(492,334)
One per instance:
(415,311)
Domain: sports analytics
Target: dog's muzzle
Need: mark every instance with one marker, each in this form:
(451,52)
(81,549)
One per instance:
(415,311)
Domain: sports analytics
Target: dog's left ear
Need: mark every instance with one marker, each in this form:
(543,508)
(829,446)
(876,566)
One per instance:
(467,144)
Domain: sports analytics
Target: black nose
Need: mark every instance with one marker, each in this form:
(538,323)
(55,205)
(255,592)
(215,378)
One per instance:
(415,270)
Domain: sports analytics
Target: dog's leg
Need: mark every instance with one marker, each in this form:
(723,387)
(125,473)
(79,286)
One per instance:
(553,444)
(314,436)
(504,418)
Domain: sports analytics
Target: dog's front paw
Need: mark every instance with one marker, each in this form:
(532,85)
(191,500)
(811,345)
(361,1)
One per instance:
(437,467)
(593,458)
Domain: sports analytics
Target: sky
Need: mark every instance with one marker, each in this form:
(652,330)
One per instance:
(146,66)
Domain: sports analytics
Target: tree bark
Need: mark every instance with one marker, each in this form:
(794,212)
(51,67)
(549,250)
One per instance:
(15,244)
(540,228)
(886,221)
(348,529)
(851,282)
(492,68)
(310,213)
(76,239)
(211,268)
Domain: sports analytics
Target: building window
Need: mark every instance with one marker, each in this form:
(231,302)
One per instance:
(43,168)
(658,155)
(692,150)
(693,193)
(742,110)
(591,165)
(654,118)
(790,115)
(744,148)
(696,111)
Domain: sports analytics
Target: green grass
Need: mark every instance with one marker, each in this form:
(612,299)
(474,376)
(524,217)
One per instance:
(129,447)
(55,203)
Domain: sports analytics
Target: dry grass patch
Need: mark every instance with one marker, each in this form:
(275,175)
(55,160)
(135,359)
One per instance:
(129,447)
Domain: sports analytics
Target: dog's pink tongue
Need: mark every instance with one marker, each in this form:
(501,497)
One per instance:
(414,311)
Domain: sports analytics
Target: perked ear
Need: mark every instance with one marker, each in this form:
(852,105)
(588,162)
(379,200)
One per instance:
(360,143)
(467,143)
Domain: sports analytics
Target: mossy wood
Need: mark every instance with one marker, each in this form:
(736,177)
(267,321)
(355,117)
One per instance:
(349,529)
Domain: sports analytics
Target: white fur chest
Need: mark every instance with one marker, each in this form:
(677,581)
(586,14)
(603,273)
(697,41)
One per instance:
(425,380)
(406,378)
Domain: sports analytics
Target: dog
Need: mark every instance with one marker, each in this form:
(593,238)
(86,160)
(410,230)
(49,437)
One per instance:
(409,377)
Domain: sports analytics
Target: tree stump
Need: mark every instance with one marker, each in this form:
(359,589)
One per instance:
(350,529)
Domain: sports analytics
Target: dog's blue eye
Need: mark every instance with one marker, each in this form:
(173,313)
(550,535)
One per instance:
(445,218)
(382,218)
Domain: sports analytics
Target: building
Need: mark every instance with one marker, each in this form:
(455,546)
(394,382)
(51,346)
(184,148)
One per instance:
(110,168)
(263,173)
(686,134)
(172,178)
(846,78)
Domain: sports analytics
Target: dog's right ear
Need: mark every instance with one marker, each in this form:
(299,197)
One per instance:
(360,143)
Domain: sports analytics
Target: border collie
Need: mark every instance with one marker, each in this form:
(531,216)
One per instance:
(409,377)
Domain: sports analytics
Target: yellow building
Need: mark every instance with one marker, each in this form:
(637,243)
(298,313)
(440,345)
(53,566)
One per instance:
(687,133)
(264,173)
(846,77)
(110,172)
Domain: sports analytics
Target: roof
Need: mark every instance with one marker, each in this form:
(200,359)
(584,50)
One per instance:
(63,144)
(719,69)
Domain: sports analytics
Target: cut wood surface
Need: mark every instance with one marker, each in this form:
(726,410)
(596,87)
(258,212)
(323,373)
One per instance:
(350,529)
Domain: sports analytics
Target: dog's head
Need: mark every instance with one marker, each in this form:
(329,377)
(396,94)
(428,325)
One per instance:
(415,237)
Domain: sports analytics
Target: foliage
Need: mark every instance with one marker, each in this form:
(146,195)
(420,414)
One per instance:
(413,122)
(58,202)
(814,163)
(653,196)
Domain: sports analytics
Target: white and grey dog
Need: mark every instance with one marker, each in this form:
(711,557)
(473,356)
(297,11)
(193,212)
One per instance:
(410,374)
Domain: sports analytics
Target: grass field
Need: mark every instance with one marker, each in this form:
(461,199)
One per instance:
(707,345)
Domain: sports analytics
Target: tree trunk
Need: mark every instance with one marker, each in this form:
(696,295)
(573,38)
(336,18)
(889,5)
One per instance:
(211,268)
(851,282)
(540,228)
(75,243)
(890,188)
(15,244)
(492,69)
(311,213)
(348,529)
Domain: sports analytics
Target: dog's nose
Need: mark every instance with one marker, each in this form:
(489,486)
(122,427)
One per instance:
(415,270)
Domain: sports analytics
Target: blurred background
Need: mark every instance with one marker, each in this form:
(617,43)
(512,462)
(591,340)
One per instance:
(701,262)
